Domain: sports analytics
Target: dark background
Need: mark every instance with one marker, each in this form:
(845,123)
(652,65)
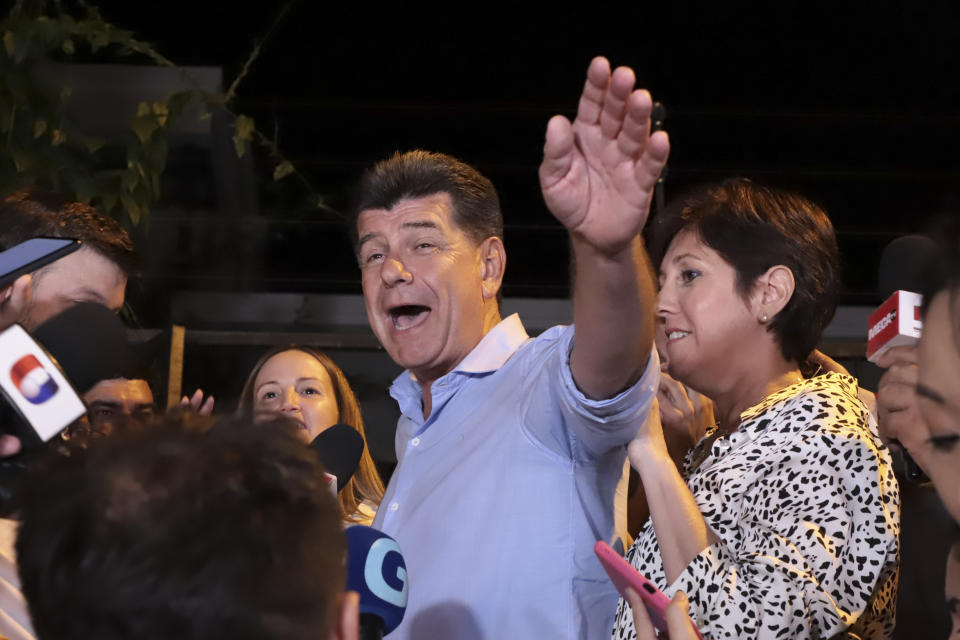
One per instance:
(856,107)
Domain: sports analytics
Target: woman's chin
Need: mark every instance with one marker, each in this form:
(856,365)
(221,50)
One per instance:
(304,434)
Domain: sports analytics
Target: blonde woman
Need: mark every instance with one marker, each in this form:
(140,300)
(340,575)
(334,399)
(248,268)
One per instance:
(306,386)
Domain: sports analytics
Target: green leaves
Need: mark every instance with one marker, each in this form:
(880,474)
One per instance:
(149,118)
(10,44)
(143,126)
(282,170)
(243,132)
(40,145)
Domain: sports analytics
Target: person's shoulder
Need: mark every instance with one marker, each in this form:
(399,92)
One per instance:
(841,386)
(553,334)
(544,343)
(835,412)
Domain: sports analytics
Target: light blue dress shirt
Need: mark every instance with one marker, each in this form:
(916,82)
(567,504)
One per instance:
(501,493)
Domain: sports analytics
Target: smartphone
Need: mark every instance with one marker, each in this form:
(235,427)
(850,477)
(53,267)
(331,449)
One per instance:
(623,575)
(35,388)
(32,254)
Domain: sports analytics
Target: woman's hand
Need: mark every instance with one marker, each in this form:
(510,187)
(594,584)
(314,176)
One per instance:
(685,414)
(197,403)
(678,419)
(649,441)
(679,625)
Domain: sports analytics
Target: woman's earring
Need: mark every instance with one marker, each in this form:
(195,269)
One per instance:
(763,319)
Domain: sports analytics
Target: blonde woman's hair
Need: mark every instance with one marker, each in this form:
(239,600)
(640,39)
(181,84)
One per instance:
(365,485)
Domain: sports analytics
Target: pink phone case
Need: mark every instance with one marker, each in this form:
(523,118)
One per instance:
(623,575)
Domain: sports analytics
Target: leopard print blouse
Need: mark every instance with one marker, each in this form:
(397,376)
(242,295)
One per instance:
(807,509)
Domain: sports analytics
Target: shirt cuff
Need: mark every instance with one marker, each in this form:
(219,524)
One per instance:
(634,400)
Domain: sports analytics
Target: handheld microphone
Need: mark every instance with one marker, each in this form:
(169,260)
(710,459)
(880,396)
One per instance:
(41,374)
(906,265)
(339,449)
(376,570)
(73,350)
(90,344)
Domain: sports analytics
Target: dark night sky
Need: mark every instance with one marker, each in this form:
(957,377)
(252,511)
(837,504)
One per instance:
(856,108)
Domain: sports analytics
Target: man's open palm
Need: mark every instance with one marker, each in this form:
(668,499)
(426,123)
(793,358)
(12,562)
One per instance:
(598,173)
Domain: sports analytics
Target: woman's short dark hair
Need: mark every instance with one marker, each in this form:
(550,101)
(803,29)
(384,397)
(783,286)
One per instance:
(754,228)
(416,174)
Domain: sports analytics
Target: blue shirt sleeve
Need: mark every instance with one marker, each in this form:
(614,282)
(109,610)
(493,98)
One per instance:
(559,416)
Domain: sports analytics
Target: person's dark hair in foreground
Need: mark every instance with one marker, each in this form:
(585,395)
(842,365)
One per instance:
(183,530)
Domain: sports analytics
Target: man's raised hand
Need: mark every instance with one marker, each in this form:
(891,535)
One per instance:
(598,173)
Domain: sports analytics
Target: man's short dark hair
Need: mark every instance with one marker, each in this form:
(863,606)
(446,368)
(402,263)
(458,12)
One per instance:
(183,531)
(416,174)
(29,214)
(754,228)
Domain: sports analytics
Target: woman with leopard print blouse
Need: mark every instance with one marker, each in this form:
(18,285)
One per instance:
(784,519)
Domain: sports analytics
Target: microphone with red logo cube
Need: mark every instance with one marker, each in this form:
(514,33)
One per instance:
(32,380)
(907,264)
(895,323)
(36,390)
(43,372)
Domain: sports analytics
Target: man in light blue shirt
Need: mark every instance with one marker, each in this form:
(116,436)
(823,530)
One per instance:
(510,448)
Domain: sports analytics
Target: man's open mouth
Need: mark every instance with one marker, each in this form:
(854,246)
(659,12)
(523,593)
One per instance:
(408,316)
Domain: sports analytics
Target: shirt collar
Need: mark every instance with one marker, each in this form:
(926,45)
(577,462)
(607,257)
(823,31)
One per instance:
(491,353)
(825,382)
(496,347)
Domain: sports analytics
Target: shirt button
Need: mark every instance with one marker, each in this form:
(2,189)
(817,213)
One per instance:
(394,506)
(415,442)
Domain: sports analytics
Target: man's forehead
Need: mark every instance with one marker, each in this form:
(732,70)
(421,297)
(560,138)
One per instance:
(116,389)
(85,275)
(436,208)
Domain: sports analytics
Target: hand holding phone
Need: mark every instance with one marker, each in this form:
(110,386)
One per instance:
(16,263)
(678,621)
(657,607)
(30,255)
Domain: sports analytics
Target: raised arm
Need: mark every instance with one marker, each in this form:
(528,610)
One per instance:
(597,177)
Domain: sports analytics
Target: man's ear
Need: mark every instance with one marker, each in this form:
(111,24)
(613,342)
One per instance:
(493,264)
(347,624)
(15,299)
(772,291)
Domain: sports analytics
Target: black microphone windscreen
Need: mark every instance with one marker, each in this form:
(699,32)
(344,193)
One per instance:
(339,448)
(90,344)
(908,263)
